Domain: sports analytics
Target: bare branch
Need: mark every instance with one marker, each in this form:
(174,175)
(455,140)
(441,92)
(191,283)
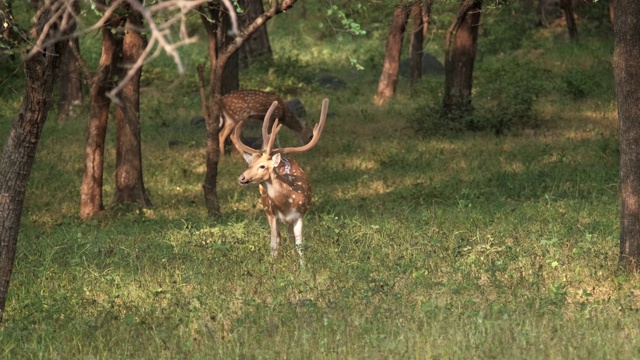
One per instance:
(161,35)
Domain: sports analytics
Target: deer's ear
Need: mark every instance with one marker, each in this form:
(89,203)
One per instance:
(275,159)
(248,158)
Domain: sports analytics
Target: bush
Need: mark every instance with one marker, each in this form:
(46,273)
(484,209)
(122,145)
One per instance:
(285,75)
(504,95)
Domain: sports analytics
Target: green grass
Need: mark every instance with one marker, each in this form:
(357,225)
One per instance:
(466,245)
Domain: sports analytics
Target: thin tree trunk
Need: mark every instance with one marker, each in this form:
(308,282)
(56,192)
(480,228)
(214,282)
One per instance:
(91,201)
(231,73)
(460,59)
(420,15)
(389,77)
(257,45)
(627,74)
(426,16)
(129,182)
(211,114)
(19,152)
(417,42)
(612,11)
(567,7)
(70,78)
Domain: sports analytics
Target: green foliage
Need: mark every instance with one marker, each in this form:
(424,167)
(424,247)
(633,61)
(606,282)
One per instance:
(502,31)
(348,23)
(498,106)
(510,102)
(514,70)
(288,75)
(584,83)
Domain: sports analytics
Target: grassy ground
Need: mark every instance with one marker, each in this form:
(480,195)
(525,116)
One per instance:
(466,245)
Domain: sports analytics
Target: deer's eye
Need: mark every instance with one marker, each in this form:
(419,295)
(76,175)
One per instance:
(262,167)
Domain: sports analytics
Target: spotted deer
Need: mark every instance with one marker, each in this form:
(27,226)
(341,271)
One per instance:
(284,188)
(241,105)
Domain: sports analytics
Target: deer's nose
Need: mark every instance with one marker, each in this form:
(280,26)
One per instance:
(242,180)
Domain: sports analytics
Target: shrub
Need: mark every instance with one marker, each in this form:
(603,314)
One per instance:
(504,95)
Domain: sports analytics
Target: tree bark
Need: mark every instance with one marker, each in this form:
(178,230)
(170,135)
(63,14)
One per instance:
(417,42)
(460,59)
(91,201)
(70,81)
(627,74)
(257,45)
(612,11)
(420,15)
(389,77)
(567,7)
(130,188)
(231,72)
(19,151)
(211,112)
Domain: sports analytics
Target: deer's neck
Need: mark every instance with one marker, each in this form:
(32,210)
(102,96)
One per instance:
(288,188)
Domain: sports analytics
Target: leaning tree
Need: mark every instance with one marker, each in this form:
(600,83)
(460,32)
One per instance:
(53,24)
(389,76)
(460,55)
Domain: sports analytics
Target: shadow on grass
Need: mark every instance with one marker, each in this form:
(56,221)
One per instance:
(581,170)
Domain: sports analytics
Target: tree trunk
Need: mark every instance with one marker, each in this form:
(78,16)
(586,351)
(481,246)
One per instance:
(70,81)
(567,7)
(459,60)
(231,72)
(426,16)
(389,77)
(19,152)
(420,15)
(91,201)
(612,11)
(257,45)
(211,113)
(417,42)
(627,74)
(129,183)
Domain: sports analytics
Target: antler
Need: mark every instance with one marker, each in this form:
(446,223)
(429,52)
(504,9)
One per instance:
(269,139)
(317,130)
(266,138)
(272,138)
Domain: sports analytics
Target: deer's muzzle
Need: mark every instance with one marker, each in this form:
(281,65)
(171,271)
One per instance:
(242,180)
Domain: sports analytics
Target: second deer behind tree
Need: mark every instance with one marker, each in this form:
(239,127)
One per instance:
(241,105)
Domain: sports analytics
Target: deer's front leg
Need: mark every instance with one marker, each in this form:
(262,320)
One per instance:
(275,234)
(295,232)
